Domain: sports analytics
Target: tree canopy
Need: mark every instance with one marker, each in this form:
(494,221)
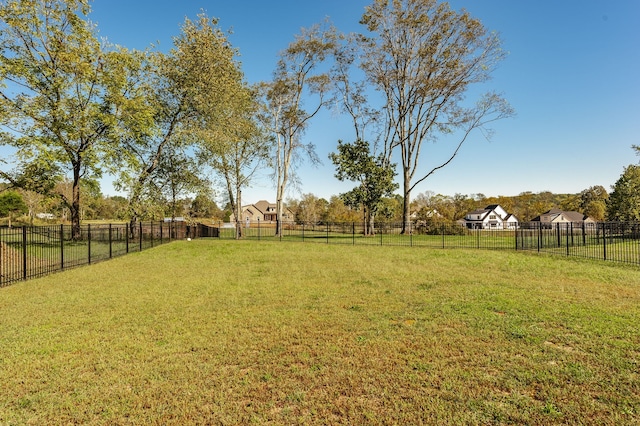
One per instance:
(373,174)
(298,77)
(423,57)
(57,93)
(11,203)
(624,201)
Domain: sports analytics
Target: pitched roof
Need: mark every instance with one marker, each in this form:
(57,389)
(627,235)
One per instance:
(263,206)
(569,216)
(574,216)
(479,211)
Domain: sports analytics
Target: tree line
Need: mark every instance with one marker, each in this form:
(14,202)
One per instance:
(427,206)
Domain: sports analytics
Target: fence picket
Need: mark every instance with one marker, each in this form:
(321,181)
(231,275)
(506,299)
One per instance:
(31,251)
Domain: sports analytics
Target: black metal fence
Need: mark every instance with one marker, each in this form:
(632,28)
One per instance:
(27,252)
(611,241)
(32,251)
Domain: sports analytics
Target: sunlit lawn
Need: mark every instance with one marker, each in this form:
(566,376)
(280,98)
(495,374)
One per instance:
(226,332)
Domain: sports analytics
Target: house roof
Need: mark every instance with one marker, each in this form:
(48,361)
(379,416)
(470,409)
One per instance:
(569,216)
(263,206)
(480,211)
(483,213)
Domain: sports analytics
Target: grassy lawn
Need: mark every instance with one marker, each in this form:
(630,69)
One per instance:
(226,332)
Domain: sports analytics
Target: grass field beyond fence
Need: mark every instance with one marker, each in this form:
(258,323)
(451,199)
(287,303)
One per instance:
(225,332)
(610,241)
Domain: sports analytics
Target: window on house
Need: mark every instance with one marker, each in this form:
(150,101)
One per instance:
(493,216)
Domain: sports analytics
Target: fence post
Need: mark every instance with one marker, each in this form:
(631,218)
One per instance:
(24,252)
(569,229)
(515,233)
(110,241)
(327,228)
(539,236)
(411,229)
(140,239)
(89,242)
(353,233)
(604,240)
(161,228)
(152,233)
(126,237)
(572,241)
(61,247)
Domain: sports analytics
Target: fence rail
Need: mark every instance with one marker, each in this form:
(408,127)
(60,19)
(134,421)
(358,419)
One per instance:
(32,251)
(610,241)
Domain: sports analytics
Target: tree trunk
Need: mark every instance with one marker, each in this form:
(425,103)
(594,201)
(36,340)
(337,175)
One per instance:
(406,206)
(74,206)
(238,210)
(279,207)
(369,229)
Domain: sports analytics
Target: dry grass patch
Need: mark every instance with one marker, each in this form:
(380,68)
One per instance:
(225,332)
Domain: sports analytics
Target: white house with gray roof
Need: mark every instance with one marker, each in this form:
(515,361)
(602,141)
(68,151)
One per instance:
(491,217)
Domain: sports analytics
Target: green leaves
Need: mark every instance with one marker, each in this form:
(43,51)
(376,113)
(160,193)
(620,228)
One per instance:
(374,176)
(422,57)
(11,203)
(624,202)
(54,105)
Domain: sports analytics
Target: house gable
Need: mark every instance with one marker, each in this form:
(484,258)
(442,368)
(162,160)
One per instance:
(491,217)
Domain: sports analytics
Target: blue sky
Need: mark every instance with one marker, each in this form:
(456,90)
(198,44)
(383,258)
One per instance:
(571,75)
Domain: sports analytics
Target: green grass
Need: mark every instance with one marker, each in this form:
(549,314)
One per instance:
(226,332)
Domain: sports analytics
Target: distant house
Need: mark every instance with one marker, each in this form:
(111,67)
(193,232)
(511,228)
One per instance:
(554,216)
(491,217)
(263,211)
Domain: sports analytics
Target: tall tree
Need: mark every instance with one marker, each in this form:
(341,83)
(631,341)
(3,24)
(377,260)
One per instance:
(624,200)
(423,57)
(338,211)
(298,78)
(58,83)
(177,176)
(593,202)
(204,206)
(185,94)
(311,209)
(236,149)
(373,174)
